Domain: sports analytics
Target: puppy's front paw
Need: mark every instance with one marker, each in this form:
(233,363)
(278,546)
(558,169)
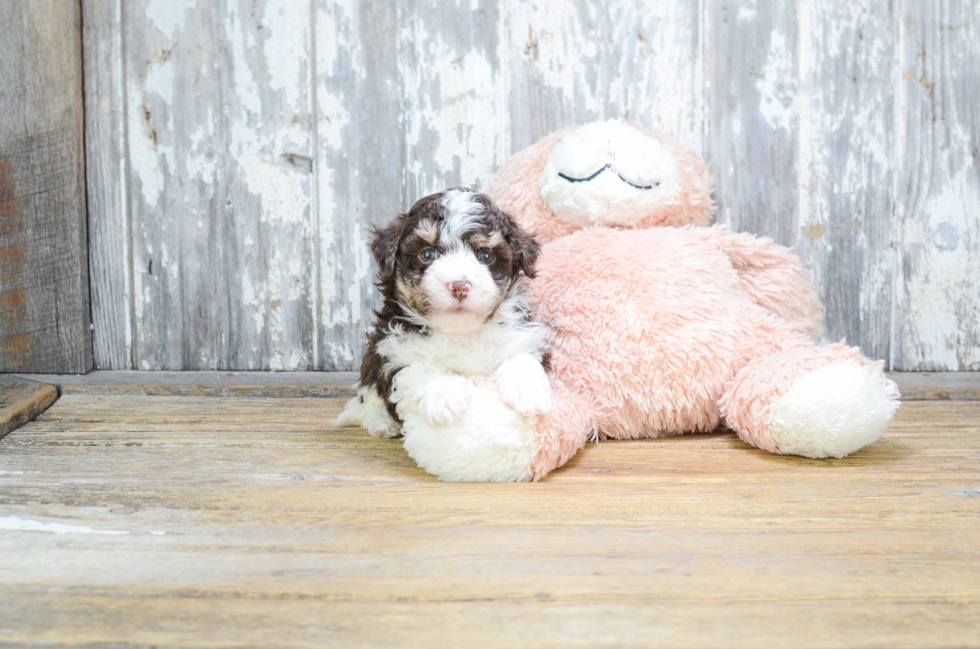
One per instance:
(524,386)
(444,400)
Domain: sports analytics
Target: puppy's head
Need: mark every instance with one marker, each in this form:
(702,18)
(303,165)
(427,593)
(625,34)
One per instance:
(452,259)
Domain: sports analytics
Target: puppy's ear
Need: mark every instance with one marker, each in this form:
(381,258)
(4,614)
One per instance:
(525,248)
(384,247)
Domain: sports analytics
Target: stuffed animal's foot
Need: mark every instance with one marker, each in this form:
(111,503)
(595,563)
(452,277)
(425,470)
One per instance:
(816,402)
(490,442)
(833,411)
(563,432)
(524,386)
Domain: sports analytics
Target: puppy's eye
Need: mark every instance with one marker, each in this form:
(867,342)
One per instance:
(428,255)
(485,256)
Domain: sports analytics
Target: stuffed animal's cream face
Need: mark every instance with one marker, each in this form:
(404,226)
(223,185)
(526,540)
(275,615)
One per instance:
(609,173)
(613,174)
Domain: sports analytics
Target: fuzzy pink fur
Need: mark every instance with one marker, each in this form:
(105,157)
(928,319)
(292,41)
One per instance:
(661,330)
(773,277)
(656,316)
(564,432)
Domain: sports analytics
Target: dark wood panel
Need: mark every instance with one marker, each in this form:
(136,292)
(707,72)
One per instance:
(44,294)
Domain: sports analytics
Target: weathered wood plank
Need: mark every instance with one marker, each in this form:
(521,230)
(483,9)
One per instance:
(938,185)
(796,106)
(44,294)
(211,384)
(219,118)
(22,401)
(752,124)
(251,521)
(458,91)
(572,61)
(535,622)
(915,386)
(926,386)
(110,258)
(453,94)
(846,238)
(359,165)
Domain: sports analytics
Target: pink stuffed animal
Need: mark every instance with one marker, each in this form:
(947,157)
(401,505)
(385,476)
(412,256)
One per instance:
(661,326)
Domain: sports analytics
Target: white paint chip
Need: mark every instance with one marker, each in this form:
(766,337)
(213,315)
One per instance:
(17,524)
(776,85)
(166,15)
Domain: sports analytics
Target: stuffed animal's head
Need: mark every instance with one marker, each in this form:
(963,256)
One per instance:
(612,174)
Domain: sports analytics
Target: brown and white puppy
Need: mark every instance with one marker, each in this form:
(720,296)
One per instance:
(451,275)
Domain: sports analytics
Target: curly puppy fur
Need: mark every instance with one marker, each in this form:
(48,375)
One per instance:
(450,272)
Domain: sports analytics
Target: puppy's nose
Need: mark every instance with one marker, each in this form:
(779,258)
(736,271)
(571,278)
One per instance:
(460,289)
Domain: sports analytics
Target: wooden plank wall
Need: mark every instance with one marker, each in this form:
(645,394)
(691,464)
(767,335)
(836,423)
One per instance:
(240,150)
(44,292)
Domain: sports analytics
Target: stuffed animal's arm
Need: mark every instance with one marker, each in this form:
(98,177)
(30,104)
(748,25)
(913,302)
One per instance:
(773,276)
(524,386)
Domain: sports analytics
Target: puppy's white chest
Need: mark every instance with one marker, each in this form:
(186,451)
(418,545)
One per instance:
(466,355)
(474,353)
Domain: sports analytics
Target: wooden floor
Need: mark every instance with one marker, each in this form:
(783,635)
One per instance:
(209,521)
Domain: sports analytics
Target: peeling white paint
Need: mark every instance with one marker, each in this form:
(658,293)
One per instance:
(468,83)
(167,15)
(285,51)
(246,86)
(638,61)
(442,130)
(201,163)
(274,320)
(809,214)
(240,159)
(942,290)
(334,118)
(777,85)
(143,160)
(166,263)
(342,351)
